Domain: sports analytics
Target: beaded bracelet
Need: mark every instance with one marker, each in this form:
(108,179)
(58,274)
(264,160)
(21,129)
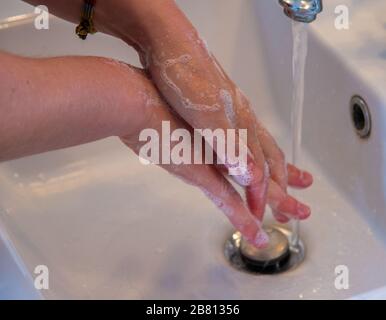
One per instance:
(86,25)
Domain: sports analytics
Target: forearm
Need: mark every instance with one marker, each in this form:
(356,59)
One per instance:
(47,104)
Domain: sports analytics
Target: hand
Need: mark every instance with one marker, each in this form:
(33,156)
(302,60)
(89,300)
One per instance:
(209,179)
(198,89)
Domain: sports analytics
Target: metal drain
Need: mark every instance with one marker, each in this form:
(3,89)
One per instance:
(278,257)
(360,116)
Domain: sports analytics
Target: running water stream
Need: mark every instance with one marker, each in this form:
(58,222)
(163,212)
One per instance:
(299,57)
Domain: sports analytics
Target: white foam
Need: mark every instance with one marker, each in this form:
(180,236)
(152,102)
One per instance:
(186,102)
(118,63)
(149,100)
(261,238)
(266,170)
(245,179)
(227,100)
(206,46)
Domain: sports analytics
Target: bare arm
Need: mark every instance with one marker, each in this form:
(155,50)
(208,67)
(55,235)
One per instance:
(48,104)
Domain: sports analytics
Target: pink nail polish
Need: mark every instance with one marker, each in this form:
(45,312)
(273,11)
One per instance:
(304,211)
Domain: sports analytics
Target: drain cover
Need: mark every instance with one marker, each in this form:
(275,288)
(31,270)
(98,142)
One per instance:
(278,257)
(269,259)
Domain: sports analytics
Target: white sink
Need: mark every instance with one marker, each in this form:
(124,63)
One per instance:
(108,227)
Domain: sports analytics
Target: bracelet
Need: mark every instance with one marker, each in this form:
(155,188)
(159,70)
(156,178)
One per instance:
(86,25)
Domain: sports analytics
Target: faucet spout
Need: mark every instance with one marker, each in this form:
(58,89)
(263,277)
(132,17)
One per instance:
(302,10)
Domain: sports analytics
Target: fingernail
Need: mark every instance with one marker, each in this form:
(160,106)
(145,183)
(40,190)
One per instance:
(303,211)
(261,240)
(307,178)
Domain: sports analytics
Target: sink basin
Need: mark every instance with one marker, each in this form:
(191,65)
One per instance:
(108,227)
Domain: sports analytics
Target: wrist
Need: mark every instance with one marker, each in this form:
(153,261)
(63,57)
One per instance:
(139,22)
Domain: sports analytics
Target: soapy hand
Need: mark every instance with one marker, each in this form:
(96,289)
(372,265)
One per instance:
(209,178)
(199,91)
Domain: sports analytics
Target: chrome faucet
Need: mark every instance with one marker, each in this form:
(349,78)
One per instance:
(302,10)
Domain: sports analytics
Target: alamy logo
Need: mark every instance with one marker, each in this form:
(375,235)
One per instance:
(180,146)
(342,278)
(342,21)
(42,20)
(42,277)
